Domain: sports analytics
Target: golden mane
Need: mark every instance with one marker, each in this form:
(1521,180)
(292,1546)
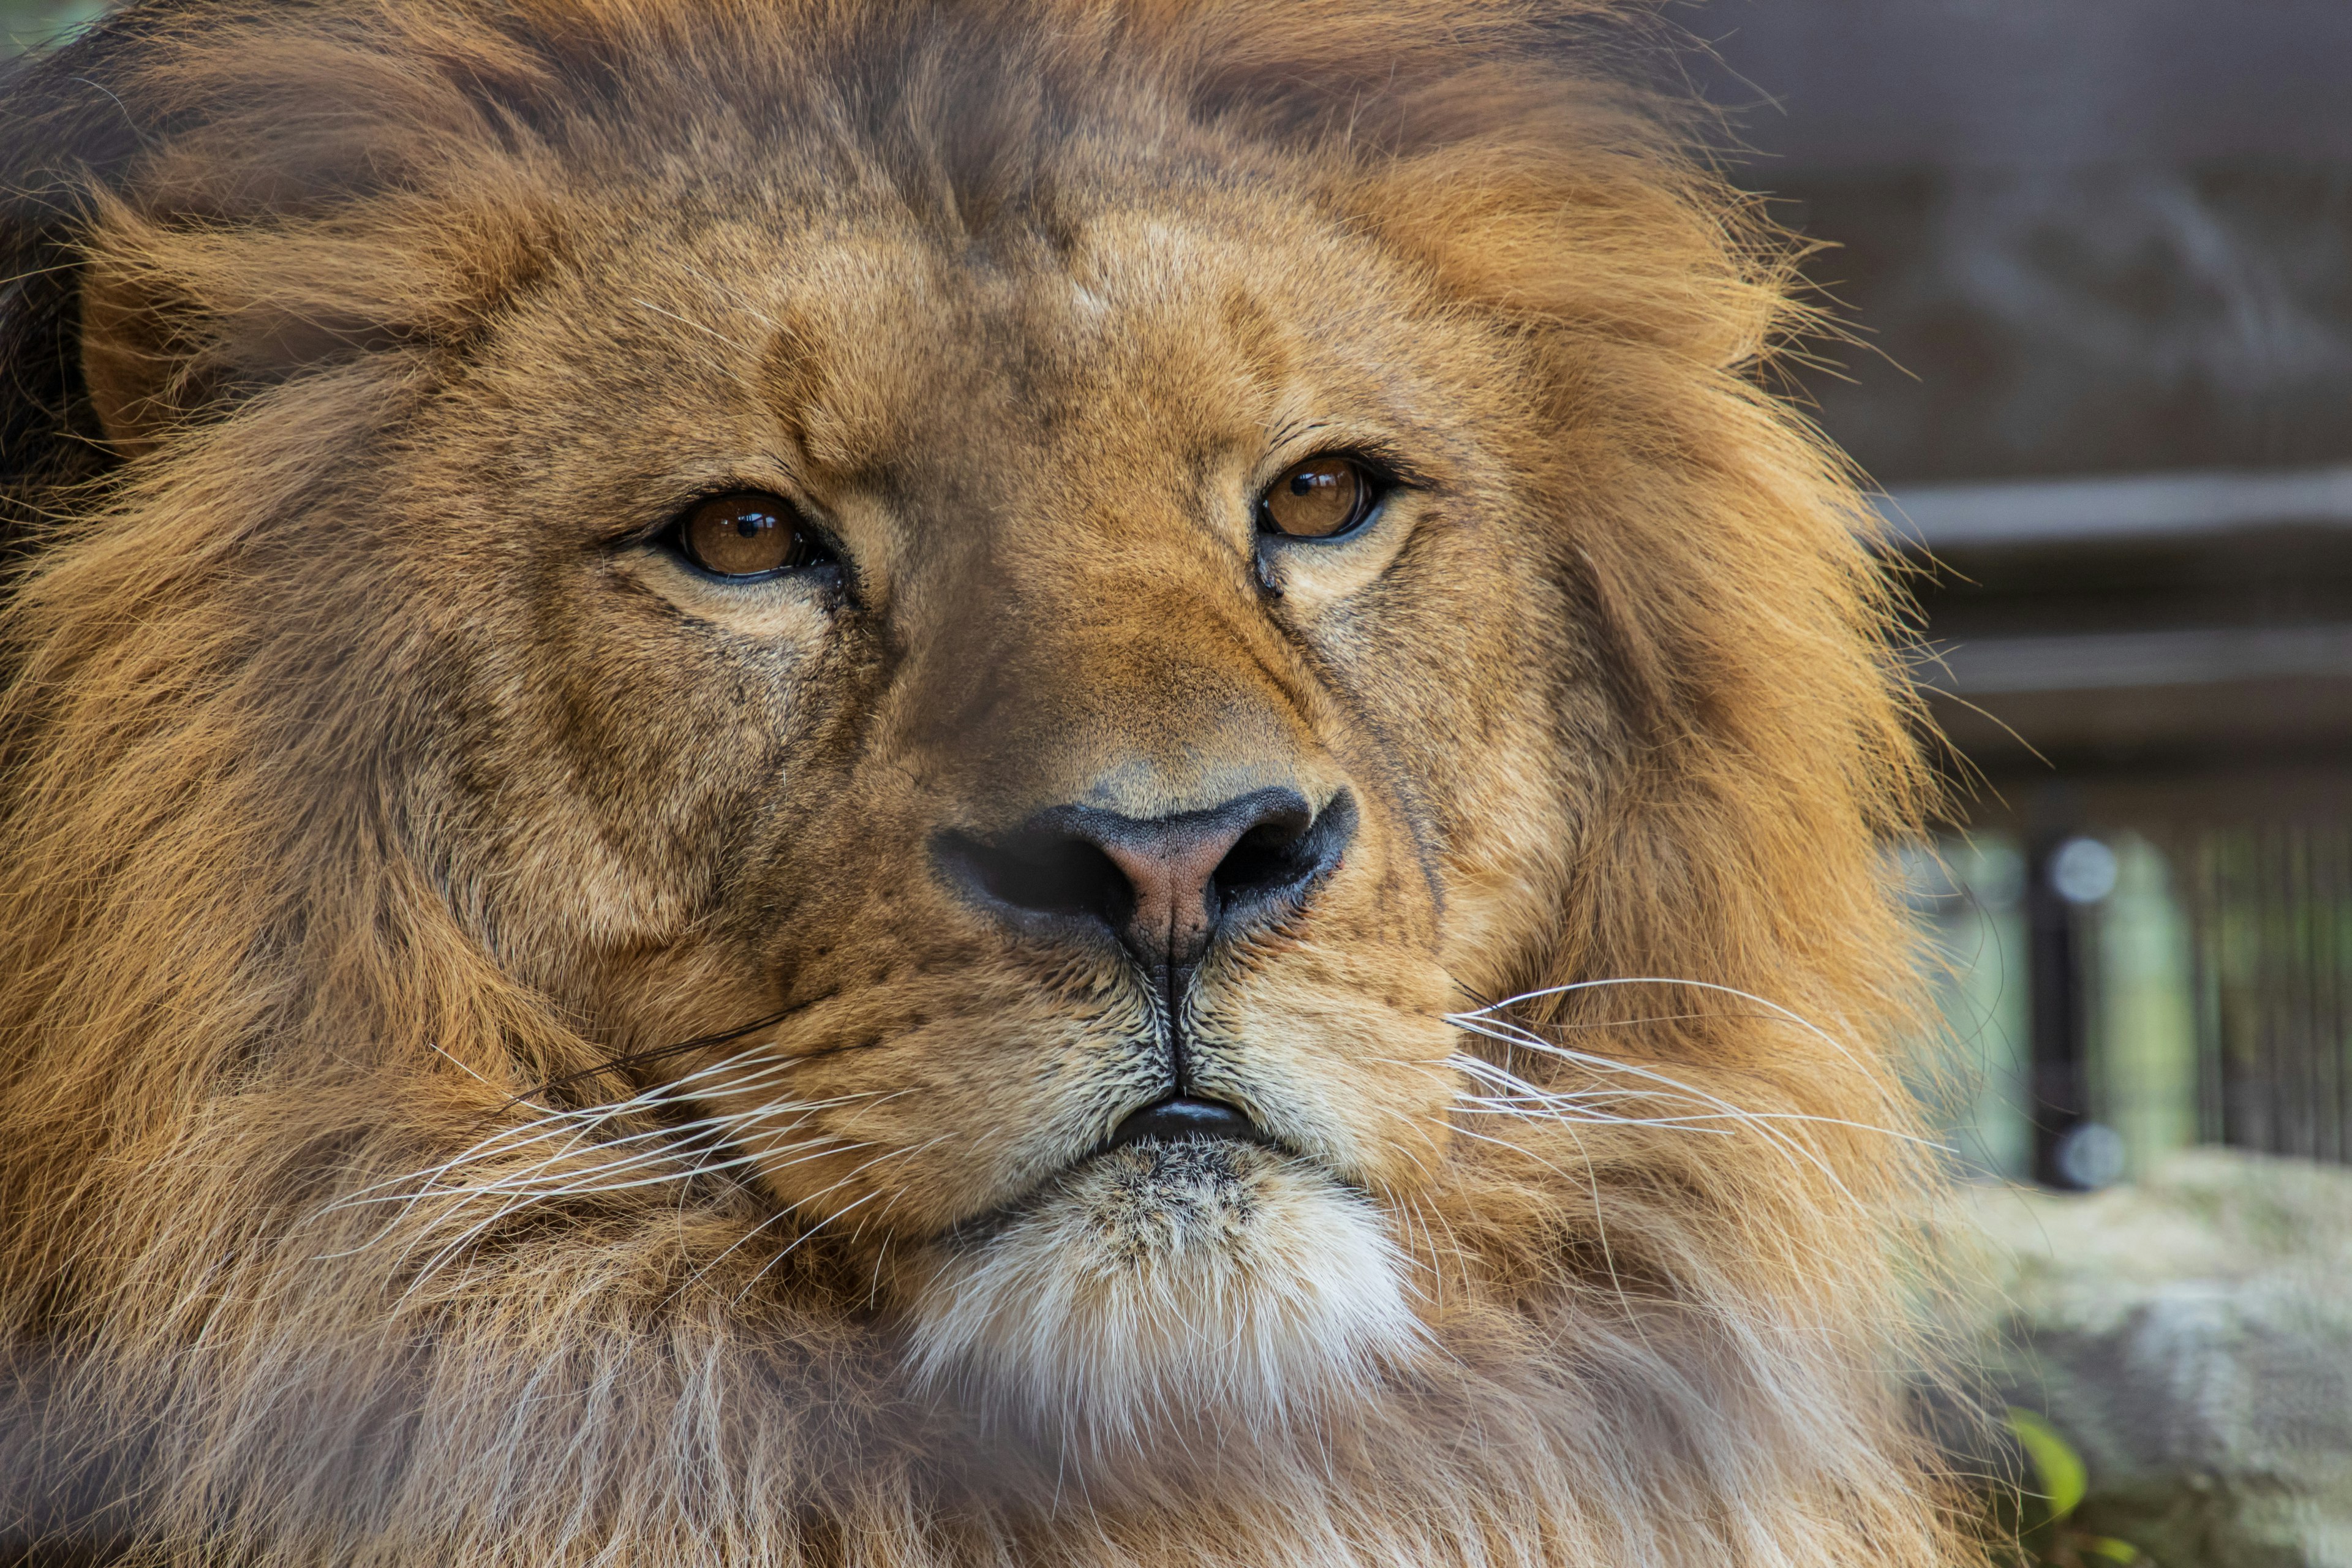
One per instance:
(246,981)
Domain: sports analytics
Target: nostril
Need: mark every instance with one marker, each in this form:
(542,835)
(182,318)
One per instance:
(1268,855)
(1039,874)
(1284,853)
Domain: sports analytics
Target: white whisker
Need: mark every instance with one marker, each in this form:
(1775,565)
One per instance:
(649,1157)
(1765,1002)
(1480,1021)
(828,1220)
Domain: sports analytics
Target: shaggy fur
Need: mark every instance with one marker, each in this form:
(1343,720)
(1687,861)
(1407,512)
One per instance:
(494,1070)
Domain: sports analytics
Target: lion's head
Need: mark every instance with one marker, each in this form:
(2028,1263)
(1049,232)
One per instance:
(893,781)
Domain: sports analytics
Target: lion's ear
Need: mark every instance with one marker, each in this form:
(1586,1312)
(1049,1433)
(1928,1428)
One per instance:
(67,133)
(97,357)
(180,318)
(191,217)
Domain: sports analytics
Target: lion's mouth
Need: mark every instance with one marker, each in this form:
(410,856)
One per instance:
(1167,1126)
(1185,1119)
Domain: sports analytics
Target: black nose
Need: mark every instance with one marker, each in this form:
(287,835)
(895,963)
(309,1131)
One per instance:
(1163,885)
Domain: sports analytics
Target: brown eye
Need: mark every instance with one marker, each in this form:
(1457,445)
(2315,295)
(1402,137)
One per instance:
(1322,498)
(748,535)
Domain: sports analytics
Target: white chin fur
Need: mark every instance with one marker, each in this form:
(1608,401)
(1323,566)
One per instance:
(1164,1283)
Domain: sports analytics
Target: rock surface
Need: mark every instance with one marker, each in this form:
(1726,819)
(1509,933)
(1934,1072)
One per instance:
(2192,1335)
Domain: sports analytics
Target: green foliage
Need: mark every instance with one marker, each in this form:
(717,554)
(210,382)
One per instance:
(2043,1523)
(2057,1468)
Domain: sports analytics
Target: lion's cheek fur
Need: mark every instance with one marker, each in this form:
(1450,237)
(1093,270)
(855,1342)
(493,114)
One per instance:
(1164,1285)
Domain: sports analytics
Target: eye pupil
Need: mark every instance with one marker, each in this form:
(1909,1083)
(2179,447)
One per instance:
(748,535)
(1318,498)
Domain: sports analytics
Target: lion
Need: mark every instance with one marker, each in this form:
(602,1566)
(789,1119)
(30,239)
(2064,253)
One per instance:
(889,782)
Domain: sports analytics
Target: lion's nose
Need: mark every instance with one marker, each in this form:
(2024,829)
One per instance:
(1164,886)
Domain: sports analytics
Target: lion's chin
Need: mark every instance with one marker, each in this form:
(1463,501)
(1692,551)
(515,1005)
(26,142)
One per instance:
(1165,1286)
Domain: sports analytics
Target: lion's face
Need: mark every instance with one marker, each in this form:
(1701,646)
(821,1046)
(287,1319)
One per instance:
(915,664)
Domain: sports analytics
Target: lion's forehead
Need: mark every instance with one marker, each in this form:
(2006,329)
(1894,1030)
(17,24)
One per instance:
(888,347)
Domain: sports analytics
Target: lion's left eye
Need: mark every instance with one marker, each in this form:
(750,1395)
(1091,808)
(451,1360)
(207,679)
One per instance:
(748,534)
(1321,498)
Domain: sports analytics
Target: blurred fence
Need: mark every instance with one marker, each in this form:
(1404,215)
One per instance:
(2206,994)
(2271,905)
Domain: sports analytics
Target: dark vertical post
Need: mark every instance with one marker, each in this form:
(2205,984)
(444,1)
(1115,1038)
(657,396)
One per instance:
(2060,1012)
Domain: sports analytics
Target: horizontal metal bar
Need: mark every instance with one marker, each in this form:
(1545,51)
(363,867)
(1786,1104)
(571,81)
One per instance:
(2104,660)
(2118,510)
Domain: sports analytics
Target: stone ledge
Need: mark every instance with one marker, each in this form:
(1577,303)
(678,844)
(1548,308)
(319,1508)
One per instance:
(2192,1336)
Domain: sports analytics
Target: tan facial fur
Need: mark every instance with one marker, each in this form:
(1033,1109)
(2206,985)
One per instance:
(523,1048)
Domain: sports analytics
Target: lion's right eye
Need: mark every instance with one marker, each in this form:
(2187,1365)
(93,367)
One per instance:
(748,535)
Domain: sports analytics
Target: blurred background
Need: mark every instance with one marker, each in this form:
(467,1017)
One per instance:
(28,23)
(2097,259)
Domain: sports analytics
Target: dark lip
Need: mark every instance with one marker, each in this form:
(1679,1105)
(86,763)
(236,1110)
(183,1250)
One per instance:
(1185,1117)
(1179,1118)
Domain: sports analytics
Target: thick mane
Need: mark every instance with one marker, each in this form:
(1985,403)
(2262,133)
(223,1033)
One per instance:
(246,990)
